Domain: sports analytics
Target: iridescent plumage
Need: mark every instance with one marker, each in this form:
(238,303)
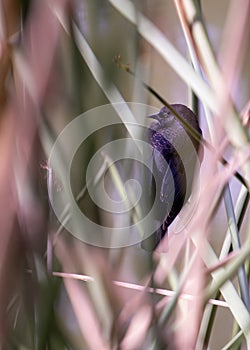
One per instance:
(174,157)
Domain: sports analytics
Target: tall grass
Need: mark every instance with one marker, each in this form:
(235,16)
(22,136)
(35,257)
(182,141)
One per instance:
(61,59)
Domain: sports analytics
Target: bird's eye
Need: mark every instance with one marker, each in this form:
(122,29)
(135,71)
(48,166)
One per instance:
(164,113)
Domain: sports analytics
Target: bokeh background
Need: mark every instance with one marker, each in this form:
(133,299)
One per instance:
(59,59)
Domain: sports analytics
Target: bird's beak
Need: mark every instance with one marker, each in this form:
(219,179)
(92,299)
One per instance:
(153,116)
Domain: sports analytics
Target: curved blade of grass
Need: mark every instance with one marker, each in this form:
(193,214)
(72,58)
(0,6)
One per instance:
(110,90)
(219,79)
(161,44)
(222,282)
(234,343)
(236,244)
(168,52)
(225,274)
(209,313)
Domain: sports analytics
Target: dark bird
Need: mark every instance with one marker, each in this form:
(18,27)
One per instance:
(174,162)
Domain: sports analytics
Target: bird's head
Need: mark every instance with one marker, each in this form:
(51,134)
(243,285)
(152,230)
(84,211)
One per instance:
(164,118)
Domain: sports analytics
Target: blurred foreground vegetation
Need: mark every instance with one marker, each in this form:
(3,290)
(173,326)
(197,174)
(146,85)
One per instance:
(59,59)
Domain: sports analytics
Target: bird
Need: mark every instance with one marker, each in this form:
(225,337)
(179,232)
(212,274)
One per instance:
(175,152)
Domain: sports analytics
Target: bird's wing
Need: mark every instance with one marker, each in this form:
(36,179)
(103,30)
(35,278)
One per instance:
(167,186)
(173,184)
